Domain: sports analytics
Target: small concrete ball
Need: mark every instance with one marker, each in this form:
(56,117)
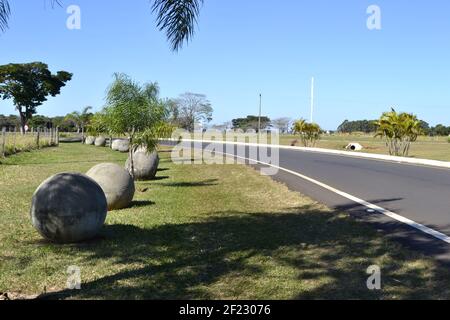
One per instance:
(121,145)
(100,142)
(89,141)
(145,165)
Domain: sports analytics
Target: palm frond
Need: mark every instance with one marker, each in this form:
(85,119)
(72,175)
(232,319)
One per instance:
(86,110)
(178,19)
(5,11)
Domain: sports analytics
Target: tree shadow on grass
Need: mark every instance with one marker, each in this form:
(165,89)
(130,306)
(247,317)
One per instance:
(244,255)
(205,183)
(141,204)
(159,178)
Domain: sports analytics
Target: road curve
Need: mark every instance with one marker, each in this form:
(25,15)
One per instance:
(418,193)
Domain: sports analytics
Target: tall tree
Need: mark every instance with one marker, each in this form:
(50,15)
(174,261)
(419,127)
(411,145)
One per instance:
(193,109)
(29,85)
(177,18)
(282,124)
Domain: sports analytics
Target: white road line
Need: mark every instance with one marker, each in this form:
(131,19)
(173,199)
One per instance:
(395,216)
(358,155)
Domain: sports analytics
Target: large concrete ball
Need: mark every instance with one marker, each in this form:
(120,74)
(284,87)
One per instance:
(100,141)
(89,141)
(68,208)
(121,145)
(145,165)
(116,182)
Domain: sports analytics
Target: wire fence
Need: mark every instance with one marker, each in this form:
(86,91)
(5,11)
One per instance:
(13,142)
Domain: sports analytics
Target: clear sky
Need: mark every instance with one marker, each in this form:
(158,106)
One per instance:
(246,47)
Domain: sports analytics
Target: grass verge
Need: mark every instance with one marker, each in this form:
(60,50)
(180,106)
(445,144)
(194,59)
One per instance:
(202,232)
(433,148)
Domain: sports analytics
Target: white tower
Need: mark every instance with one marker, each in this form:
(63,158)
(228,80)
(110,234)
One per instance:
(312,100)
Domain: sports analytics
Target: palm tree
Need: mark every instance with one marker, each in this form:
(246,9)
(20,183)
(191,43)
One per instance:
(177,18)
(135,111)
(309,132)
(399,130)
(80,119)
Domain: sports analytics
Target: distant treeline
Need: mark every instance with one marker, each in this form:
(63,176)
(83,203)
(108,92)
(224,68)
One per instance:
(366,126)
(369,126)
(12,122)
(251,122)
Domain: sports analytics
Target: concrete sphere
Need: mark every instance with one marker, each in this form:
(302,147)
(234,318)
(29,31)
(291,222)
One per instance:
(116,182)
(100,142)
(89,141)
(145,165)
(121,145)
(68,208)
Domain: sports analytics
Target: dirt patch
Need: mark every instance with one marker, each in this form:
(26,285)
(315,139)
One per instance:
(5,296)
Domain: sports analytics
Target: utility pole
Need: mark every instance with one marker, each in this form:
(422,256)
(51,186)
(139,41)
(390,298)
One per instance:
(312,100)
(260,111)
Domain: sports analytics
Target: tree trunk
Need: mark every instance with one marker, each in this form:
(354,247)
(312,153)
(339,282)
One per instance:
(133,131)
(23,121)
(131,157)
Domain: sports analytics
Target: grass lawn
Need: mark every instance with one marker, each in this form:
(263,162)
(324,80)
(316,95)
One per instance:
(434,148)
(212,232)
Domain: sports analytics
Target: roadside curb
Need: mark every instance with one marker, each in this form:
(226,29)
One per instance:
(371,156)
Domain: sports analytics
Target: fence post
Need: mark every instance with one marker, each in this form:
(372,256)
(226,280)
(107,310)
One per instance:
(14,140)
(3,142)
(37,137)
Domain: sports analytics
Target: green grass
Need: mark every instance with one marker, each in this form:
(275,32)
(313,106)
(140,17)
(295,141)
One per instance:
(435,148)
(202,232)
(17,143)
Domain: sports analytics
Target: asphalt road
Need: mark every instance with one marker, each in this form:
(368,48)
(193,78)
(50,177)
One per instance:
(418,193)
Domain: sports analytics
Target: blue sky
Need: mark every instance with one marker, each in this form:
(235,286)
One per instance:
(243,48)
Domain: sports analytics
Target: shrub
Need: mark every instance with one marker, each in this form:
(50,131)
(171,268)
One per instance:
(309,132)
